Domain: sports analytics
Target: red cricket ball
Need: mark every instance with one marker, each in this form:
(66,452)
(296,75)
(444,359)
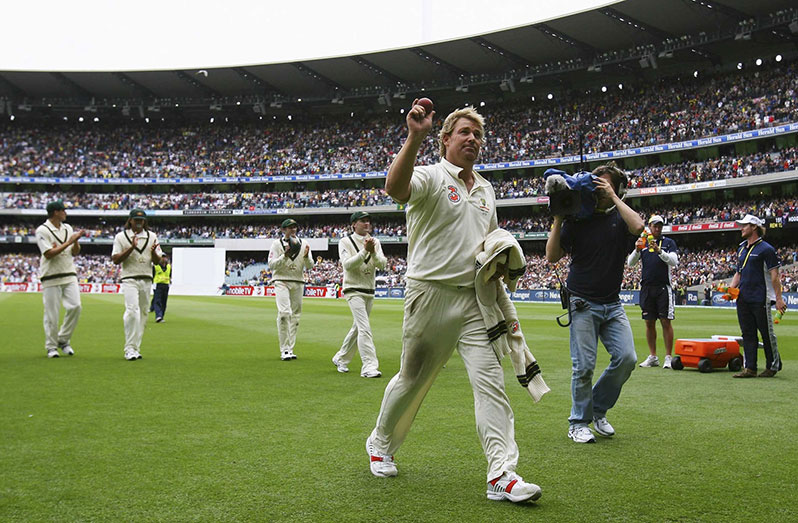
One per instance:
(427,104)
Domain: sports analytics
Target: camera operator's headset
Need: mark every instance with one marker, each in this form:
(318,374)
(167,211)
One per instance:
(565,294)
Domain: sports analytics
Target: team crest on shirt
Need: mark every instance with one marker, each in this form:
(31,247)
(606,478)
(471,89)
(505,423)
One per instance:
(453,195)
(483,204)
(514,327)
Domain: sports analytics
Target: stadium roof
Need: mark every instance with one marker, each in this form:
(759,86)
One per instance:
(632,38)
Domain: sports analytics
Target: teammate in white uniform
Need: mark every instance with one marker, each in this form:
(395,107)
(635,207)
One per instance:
(136,248)
(361,255)
(450,211)
(58,244)
(288,259)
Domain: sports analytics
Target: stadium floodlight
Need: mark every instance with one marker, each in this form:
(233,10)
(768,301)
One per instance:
(758,62)
(603,88)
(739,65)
(96,119)
(620,86)
(212,119)
(12,117)
(695,74)
(80,119)
(550,96)
(778,58)
(482,104)
(238,102)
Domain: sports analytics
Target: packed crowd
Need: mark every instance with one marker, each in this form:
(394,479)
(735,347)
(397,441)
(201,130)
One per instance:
(669,110)
(709,212)
(91,268)
(687,172)
(696,267)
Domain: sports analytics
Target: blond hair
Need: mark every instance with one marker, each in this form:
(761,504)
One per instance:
(448,124)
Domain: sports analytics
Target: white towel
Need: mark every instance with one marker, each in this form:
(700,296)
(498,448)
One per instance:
(499,313)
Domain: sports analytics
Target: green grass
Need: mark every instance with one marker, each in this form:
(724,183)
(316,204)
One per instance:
(211,425)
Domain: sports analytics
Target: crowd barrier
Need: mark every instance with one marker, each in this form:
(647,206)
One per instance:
(312,291)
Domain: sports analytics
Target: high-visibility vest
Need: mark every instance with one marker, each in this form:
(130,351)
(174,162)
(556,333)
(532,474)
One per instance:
(163,276)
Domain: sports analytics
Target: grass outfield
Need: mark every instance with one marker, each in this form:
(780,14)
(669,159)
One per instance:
(211,425)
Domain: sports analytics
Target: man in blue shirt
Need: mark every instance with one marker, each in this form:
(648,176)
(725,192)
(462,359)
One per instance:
(656,294)
(757,277)
(598,247)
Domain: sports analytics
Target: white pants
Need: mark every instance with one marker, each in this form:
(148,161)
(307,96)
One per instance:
(438,318)
(53,297)
(359,335)
(288,295)
(137,306)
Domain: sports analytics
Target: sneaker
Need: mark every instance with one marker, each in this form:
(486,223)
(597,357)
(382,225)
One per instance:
(292,355)
(651,361)
(767,373)
(603,427)
(746,373)
(158,320)
(67,350)
(371,374)
(668,361)
(286,355)
(52,353)
(340,366)
(382,466)
(581,434)
(131,354)
(512,487)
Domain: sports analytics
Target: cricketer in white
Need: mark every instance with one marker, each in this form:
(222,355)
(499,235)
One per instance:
(136,248)
(289,256)
(58,244)
(451,209)
(361,255)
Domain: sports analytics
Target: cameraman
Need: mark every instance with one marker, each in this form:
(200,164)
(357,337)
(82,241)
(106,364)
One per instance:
(598,247)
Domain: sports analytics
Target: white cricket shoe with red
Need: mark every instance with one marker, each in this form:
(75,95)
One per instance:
(382,466)
(512,487)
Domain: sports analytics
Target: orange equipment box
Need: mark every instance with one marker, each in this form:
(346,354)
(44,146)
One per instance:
(707,354)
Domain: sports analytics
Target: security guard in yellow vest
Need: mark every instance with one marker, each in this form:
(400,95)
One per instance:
(162,277)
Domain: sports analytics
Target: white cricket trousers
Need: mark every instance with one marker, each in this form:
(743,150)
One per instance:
(288,295)
(359,336)
(137,306)
(53,297)
(438,318)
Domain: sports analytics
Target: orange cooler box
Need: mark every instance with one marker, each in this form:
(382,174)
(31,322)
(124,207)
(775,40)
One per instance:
(706,354)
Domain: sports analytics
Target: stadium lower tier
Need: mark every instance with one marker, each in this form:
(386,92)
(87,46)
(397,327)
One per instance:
(696,267)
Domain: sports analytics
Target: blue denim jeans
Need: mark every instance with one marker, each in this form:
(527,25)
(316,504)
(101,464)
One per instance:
(590,322)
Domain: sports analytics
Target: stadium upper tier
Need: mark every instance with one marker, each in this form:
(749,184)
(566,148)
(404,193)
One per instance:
(665,175)
(670,111)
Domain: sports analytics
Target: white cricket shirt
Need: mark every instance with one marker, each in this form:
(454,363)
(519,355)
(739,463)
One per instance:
(285,268)
(446,224)
(360,266)
(139,264)
(60,269)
